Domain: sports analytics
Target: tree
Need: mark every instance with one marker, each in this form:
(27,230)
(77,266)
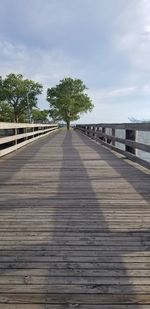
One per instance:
(20,94)
(68,100)
(1,93)
(40,116)
(6,112)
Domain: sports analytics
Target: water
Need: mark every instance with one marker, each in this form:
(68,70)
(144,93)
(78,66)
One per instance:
(141,137)
(144,138)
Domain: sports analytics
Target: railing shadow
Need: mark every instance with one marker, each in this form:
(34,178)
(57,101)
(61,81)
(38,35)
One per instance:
(19,164)
(138,179)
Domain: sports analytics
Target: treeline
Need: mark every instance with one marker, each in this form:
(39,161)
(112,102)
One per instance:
(18,100)
(135,120)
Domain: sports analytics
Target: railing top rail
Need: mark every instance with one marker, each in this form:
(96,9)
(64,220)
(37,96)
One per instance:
(133,126)
(12,125)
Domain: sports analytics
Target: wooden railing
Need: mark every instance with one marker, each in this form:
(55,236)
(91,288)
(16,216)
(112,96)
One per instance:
(131,140)
(16,135)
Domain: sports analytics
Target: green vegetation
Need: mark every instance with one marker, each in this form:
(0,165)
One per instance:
(18,100)
(68,100)
(6,112)
(19,96)
(40,116)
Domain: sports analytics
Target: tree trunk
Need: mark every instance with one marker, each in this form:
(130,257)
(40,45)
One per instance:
(16,118)
(68,124)
(15,115)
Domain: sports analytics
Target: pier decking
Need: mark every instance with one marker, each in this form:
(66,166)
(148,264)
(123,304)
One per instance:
(74,227)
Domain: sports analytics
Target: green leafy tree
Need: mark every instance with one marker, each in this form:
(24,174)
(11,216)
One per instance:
(68,100)
(2,98)
(20,94)
(6,112)
(40,116)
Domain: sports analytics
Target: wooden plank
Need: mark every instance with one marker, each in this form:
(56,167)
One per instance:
(74,265)
(70,299)
(93,289)
(78,259)
(65,306)
(129,126)
(63,280)
(70,272)
(13,125)
(48,252)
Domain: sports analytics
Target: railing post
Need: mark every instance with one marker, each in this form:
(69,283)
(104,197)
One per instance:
(16,133)
(113,135)
(91,131)
(97,131)
(130,135)
(33,131)
(26,131)
(94,133)
(87,128)
(103,131)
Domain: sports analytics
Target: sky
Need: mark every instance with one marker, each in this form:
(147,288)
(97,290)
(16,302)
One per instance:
(105,43)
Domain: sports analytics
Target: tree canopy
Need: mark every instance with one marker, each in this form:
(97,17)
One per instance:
(40,116)
(6,112)
(19,94)
(68,100)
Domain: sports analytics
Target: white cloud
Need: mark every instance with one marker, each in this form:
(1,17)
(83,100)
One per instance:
(106,43)
(133,34)
(44,66)
(100,94)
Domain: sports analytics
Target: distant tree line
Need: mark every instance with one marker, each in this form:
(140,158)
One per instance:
(135,120)
(19,98)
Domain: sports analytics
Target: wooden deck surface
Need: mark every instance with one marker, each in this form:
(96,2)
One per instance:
(74,227)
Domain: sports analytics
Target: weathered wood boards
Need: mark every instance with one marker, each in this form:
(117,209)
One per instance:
(74,227)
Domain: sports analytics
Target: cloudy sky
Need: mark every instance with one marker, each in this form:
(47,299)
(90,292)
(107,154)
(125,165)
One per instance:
(106,43)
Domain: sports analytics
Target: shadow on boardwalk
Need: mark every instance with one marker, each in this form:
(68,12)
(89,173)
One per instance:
(77,255)
(139,180)
(15,161)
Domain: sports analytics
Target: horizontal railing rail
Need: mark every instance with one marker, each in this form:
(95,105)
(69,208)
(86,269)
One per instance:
(131,140)
(16,135)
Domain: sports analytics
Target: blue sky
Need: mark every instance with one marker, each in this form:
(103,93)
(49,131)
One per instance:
(106,43)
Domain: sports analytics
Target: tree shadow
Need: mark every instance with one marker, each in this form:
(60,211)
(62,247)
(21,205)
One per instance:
(73,255)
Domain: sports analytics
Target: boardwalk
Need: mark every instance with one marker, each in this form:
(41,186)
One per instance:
(74,227)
